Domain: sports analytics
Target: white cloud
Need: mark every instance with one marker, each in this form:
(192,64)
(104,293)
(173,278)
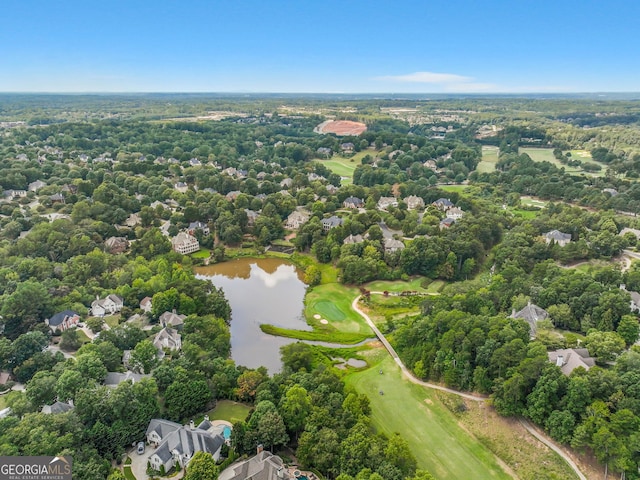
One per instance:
(444,82)
(426,77)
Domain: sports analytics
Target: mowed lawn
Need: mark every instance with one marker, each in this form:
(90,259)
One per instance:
(332,302)
(546,155)
(229,410)
(397,286)
(439,444)
(489,159)
(453,188)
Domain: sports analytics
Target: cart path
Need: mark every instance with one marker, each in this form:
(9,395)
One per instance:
(478,398)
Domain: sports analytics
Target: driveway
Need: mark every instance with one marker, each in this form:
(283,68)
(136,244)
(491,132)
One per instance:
(139,462)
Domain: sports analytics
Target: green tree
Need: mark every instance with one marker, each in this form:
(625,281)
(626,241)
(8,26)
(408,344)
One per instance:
(399,454)
(144,356)
(271,430)
(297,356)
(68,385)
(202,467)
(629,329)
(70,340)
(184,399)
(41,389)
(295,406)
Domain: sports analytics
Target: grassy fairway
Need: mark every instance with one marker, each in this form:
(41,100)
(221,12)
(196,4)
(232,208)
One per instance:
(345,166)
(546,155)
(453,188)
(398,286)
(439,444)
(333,303)
(489,159)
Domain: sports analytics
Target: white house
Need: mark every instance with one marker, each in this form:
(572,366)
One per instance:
(168,339)
(296,219)
(172,319)
(184,243)
(414,202)
(107,306)
(386,202)
(146,305)
(455,213)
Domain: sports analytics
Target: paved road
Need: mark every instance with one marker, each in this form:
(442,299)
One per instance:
(468,396)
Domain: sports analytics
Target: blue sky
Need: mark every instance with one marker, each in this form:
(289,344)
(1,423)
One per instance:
(328,46)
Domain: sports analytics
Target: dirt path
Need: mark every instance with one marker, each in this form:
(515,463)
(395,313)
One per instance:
(548,442)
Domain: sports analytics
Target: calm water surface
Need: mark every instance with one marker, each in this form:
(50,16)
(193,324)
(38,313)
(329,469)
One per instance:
(265,290)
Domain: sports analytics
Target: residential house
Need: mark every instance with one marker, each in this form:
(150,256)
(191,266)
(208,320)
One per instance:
(15,193)
(231,171)
(203,227)
(57,198)
(116,245)
(172,320)
(331,189)
(232,195)
(167,339)
(184,243)
(353,239)
(4,377)
(252,216)
(57,407)
(634,231)
(446,223)
(62,321)
(347,147)
(297,218)
(558,237)
(286,183)
(107,306)
(569,359)
(414,202)
(385,202)
(113,379)
(431,165)
(176,444)
(634,304)
(611,191)
(262,175)
(181,187)
(391,245)
(443,204)
(69,188)
(532,314)
(324,151)
(133,220)
(331,222)
(145,304)
(194,162)
(314,176)
(353,202)
(35,186)
(455,213)
(263,466)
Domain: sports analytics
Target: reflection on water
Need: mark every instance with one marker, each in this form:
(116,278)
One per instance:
(259,291)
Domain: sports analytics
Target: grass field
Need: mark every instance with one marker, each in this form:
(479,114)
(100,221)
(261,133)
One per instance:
(526,214)
(229,410)
(532,202)
(332,302)
(202,253)
(112,320)
(345,166)
(128,474)
(546,155)
(439,444)
(397,286)
(453,188)
(489,159)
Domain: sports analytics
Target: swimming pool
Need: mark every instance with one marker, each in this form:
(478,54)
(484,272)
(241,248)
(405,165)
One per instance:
(226,432)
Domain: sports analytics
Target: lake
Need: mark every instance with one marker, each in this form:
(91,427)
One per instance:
(259,290)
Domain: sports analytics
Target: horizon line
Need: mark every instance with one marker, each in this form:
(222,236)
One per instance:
(257,92)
